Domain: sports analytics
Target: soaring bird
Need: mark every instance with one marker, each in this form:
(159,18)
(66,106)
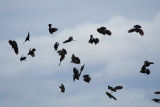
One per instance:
(156,100)
(75,74)
(157,92)
(52,30)
(110,95)
(86,78)
(136,28)
(62,88)
(14,45)
(56,46)
(115,88)
(27,38)
(81,69)
(93,40)
(75,59)
(31,52)
(23,58)
(62,53)
(69,40)
(104,30)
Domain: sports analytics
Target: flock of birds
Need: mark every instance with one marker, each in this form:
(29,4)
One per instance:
(76,60)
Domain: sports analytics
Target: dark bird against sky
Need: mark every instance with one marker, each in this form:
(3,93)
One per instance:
(52,30)
(136,28)
(14,46)
(27,38)
(103,30)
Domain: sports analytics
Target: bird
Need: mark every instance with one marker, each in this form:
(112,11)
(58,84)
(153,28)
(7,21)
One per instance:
(136,28)
(62,53)
(75,59)
(31,52)
(69,40)
(93,40)
(157,92)
(110,95)
(23,58)
(147,63)
(81,69)
(62,88)
(156,100)
(75,74)
(14,45)
(27,38)
(103,30)
(52,30)
(56,46)
(86,78)
(115,88)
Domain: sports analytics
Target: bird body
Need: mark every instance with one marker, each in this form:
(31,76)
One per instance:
(103,30)
(23,58)
(56,46)
(86,78)
(52,30)
(31,52)
(14,46)
(75,59)
(62,88)
(93,40)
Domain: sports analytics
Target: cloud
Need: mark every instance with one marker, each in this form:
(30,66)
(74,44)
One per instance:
(116,58)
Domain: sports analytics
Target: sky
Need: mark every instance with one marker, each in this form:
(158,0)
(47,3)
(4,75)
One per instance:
(115,60)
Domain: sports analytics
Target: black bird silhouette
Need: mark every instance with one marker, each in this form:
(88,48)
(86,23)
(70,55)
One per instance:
(14,45)
(136,28)
(146,71)
(62,88)
(69,40)
(75,74)
(93,40)
(103,30)
(156,100)
(27,38)
(110,95)
(31,52)
(115,88)
(23,58)
(81,69)
(62,53)
(75,59)
(52,30)
(86,78)
(157,92)
(56,46)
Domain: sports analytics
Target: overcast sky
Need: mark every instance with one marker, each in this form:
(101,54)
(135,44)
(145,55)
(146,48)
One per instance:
(115,60)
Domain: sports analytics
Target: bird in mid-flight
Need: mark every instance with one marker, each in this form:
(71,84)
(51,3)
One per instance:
(52,30)
(75,59)
(156,100)
(115,88)
(69,40)
(14,45)
(75,74)
(23,58)
(93,40)
(27,38)
(86,78)
(104,30)
(31,52)
(56,46)
(62,53)
(110,96)
(136,28)
(62,88)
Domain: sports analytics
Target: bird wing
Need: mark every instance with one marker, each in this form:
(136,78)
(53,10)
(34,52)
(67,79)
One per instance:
(131,30)
(108,32)
(157,92)
(118,87)
(141,32)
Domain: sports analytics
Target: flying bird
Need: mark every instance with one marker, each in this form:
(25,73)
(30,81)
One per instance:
(86,78)
(75,74)
(115,88)
(23,58)
(136,28)
(14,45)
(62,53)
(157,92)
(27,38)
(69,40)
(147,71)
(31,52)
(75,59)
(56,46)
(110,95)
(93,40)
(52,30)
(111,88)
(156,100)
(81,69)
(104,30)
(62,88)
